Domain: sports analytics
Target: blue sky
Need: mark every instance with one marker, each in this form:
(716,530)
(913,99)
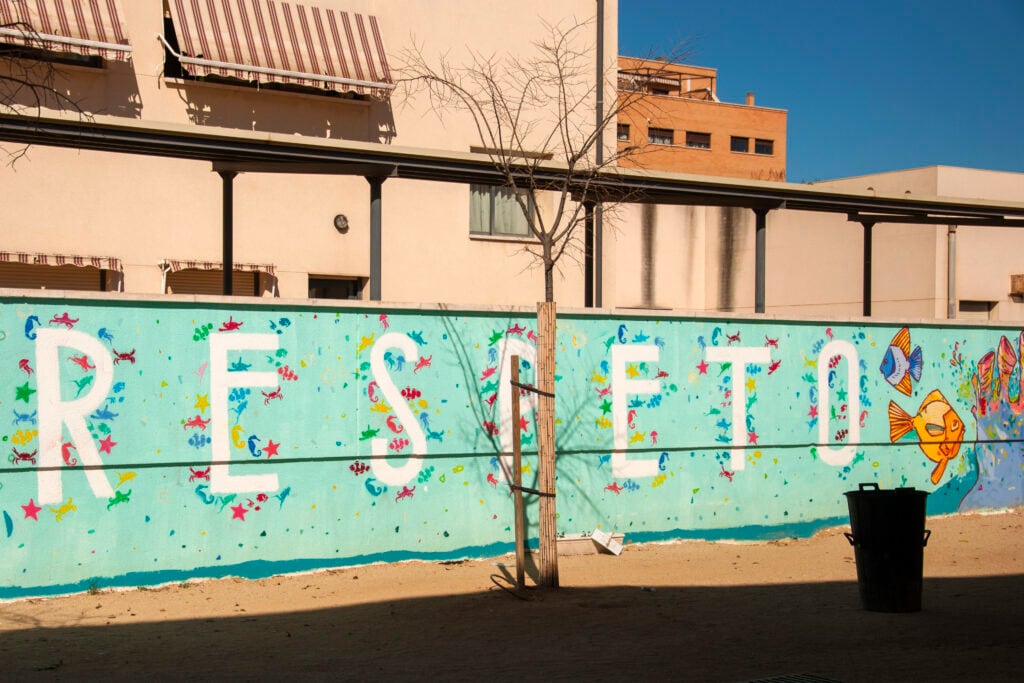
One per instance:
(870,85)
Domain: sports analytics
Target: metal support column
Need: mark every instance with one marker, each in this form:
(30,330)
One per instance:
(866,270)
(598,256)
(227,221)
(599,123)
(759,258)
(375,237)
(588,255)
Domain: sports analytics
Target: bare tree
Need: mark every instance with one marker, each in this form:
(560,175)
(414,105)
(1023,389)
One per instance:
(29,83)
(535,119)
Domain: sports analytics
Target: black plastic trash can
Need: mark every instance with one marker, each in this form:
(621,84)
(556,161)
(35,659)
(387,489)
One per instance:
(888,538)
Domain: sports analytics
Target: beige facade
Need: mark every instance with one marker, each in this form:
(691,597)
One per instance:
(153,222)
(911,263)
(147,211)
(703,258)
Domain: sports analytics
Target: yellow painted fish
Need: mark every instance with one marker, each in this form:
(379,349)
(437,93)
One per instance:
(940,431)
(365,343)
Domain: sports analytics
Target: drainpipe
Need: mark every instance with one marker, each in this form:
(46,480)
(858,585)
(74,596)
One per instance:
(951,272)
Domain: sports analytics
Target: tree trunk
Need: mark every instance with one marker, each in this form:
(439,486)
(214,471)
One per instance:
(548,577)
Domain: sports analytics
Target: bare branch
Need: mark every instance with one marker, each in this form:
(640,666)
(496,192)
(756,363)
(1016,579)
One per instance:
(29,83)
(533,114)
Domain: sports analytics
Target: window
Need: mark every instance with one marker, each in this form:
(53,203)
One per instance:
(327,287)
(976,310)
(211,282)
(659,136)
(737,144)
(32,276)
(698,140)
(622,131)
(764,146)
(495,211)
(22,270)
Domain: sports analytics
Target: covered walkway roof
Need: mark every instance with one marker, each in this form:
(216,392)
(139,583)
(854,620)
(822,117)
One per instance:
(235,151)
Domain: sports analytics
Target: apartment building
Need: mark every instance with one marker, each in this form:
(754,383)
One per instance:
(673,120)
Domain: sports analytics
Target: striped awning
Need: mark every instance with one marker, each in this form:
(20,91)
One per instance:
(88,27)
(101,262)
(174,266)
(280,42)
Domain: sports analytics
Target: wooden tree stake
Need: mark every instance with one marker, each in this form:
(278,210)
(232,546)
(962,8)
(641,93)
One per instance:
(517,478)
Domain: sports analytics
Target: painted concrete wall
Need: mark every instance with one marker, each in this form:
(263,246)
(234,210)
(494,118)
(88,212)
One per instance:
(150,441)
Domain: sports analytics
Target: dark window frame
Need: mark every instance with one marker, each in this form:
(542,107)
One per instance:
(698,140)
(764,146)
(335,287)
(734,147)
(657,136)
(496,193)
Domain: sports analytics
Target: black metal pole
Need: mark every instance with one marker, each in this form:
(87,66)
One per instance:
(588,255)
(868,227)
(596,255)
(375,237)
(228,220)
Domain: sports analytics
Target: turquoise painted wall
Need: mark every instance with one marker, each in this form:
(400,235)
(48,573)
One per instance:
(148,442)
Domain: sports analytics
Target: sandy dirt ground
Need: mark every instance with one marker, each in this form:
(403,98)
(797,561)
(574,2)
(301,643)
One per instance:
(682,611)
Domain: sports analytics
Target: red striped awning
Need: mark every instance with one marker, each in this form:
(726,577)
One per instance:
(101,262)
(275,41)
(88,27)
(174,266)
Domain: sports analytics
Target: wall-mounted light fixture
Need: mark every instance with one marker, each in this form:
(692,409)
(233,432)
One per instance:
(341,223)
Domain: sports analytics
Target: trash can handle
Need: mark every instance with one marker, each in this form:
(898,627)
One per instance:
(869,485)
(927,535)
(853,541)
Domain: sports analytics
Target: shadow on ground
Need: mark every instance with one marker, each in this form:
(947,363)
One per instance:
(968,630)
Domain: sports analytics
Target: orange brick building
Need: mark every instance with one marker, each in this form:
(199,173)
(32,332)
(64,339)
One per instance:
(673,121)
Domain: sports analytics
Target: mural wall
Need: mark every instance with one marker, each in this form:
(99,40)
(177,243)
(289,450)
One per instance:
(148,442)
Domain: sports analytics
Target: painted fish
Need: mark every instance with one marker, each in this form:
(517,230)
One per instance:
(939,429)
(900,364)
(123,477)
(119,497)
(284,494)
(1010,390)
(365,343)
